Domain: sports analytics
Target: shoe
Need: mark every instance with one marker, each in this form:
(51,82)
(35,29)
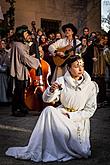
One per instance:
(24,109)
(100,105)
(105,103)
(18,113)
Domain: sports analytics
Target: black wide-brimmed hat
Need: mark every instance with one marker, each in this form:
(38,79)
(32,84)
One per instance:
(21,29)
(71,26)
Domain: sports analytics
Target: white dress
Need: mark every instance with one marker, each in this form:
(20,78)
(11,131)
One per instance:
(55,136)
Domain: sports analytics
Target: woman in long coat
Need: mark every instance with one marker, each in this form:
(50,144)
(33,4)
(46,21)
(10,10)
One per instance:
(4,69)
(63,133)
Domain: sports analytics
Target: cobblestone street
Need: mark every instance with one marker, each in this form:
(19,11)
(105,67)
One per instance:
(15,131)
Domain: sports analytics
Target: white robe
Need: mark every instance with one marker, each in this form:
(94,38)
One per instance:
(55,136)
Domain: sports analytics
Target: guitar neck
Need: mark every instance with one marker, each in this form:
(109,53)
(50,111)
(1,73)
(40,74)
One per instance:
(72,49)
(58,61)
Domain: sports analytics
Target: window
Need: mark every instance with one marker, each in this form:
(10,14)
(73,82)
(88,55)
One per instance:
(49,25)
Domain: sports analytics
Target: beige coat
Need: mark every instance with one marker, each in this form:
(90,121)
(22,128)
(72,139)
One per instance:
(21,61)
(99,65)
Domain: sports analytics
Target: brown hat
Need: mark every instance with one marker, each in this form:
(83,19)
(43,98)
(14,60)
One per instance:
(71,26)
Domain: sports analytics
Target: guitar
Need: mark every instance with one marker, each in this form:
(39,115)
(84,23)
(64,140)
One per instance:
(58,60)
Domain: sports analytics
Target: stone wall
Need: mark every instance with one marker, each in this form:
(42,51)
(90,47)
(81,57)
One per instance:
(79,12)
(94,15)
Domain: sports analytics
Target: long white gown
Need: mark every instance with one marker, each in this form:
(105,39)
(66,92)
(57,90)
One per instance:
(55,136)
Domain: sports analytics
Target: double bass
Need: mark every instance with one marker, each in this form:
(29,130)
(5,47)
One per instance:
(38,84)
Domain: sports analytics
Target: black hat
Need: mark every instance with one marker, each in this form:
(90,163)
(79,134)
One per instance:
(71,26)
(19,33)
(21,29)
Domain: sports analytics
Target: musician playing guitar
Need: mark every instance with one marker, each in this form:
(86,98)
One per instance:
(63,48)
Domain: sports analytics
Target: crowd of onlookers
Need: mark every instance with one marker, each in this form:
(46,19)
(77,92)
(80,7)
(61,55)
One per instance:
(94,49)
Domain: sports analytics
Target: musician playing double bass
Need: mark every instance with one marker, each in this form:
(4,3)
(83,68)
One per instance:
(60,47)
(38,79)
(20,63)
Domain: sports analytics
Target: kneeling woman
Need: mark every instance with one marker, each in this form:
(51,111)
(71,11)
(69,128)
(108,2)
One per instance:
(62,133)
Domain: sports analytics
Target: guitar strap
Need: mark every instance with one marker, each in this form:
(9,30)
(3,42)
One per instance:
(74,44)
